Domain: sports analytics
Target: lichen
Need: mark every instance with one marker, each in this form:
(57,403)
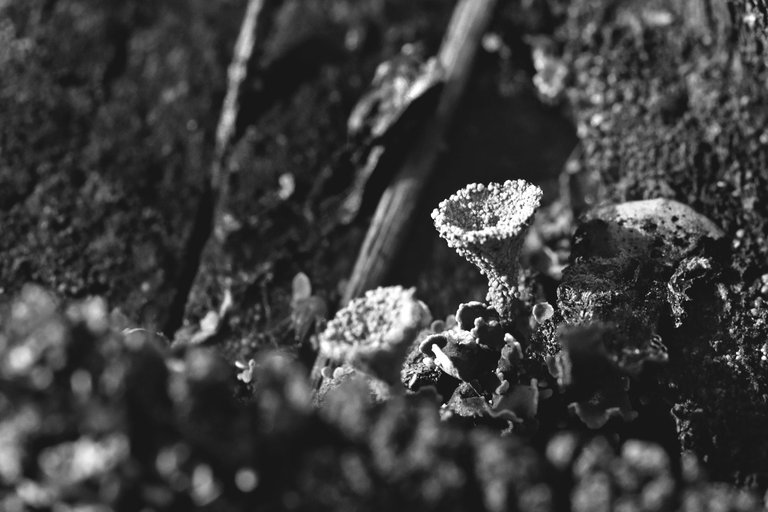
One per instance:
(486,224)
(485,364)
(373,333)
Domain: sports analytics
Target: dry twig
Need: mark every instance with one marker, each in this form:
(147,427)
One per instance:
(388,227)
(216,190)
(236,74)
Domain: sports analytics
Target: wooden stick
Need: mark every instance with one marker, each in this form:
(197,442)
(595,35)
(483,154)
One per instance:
(236,74)
(393,214)
(215,192)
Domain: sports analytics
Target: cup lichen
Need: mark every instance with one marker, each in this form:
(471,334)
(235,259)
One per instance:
(486,224)
(373,333)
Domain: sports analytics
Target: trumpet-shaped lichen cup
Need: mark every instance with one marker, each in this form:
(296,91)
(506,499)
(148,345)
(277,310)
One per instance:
(486,224)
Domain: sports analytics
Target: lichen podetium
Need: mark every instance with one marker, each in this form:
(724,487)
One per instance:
(486,224)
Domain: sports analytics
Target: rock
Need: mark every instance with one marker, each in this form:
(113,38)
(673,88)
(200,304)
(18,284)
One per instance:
(660,228)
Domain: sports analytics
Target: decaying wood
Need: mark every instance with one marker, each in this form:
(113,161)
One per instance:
(393,214)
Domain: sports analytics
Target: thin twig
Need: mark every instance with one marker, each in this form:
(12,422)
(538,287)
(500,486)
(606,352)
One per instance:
(393,214)
(215,192)
(236,74)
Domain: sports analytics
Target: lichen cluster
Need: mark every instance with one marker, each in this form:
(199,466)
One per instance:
(478,366)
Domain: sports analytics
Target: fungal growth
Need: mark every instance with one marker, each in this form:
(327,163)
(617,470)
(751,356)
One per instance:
(486,224)
(373,333)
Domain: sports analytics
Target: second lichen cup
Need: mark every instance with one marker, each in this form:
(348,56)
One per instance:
(486,224)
